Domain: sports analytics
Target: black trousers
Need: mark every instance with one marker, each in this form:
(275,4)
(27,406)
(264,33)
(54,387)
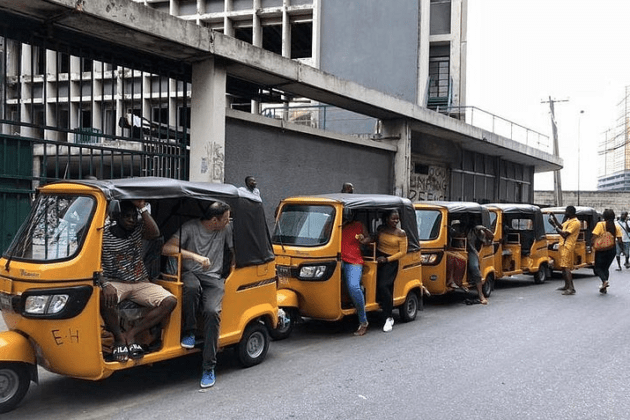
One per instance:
(385,276)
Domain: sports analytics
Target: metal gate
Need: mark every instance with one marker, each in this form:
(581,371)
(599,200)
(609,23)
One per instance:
(76,108)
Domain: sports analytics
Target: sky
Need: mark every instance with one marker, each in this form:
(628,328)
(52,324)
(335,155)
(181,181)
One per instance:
(522,52)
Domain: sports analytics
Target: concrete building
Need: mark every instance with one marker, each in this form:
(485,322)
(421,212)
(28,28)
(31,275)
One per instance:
(614,151)
(340,91)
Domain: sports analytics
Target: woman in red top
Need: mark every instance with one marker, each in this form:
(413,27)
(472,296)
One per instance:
(353,234)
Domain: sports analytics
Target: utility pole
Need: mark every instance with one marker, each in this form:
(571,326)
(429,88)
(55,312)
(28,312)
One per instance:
(557,181)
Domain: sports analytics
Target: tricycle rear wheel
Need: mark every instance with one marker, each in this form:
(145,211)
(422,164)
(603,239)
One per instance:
(253,347)
(541,275)
(488,285)
(14,382)
(409,309)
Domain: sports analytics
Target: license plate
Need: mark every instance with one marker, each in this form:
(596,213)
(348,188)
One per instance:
(284,274)
(283,271)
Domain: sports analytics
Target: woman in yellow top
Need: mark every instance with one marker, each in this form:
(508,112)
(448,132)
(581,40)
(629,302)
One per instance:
(569,231)
(603,259)
(391,246)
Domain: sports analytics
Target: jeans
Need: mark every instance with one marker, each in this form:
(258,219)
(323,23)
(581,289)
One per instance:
(207,291)
(352,276)
(474,271)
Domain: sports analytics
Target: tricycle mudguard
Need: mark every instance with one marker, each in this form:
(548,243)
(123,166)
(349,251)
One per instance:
(287,298)
(14,347)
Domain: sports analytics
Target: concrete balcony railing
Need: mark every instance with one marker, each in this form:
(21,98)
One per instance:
(498,125)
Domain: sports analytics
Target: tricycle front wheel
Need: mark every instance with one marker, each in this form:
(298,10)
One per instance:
(14,382)
(285,327)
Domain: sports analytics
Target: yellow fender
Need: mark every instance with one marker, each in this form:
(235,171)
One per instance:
(14,347)
(414,284)
(287,298)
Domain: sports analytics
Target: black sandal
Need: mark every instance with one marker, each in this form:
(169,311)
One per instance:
(136,351)
(120,353)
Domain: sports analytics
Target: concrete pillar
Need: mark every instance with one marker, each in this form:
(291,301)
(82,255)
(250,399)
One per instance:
(286,30)
(399,133)
(317,32)
(120,111)
(228,27)
(458,51)
(424,29)
(207,122)
(257,41)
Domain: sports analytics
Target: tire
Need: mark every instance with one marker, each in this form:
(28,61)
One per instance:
(541,275)
(14,382)
(409,309)
(253,347)
(283,331)
(488,286)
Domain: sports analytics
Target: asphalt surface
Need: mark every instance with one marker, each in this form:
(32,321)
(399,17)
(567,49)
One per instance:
(530,354)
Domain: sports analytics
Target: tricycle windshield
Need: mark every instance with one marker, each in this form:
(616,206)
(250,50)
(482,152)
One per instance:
(304,225)
(55,229)
(429,222)
(548,226)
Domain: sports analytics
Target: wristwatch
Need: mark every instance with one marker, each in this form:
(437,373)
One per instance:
(143,209)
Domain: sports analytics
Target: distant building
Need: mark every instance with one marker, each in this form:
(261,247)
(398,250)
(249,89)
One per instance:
(614,151)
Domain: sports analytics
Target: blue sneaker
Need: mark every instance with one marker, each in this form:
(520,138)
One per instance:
(188,342)
(207,378)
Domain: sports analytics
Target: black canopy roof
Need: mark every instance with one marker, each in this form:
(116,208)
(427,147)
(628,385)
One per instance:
(463,207)
(529,210)
(174,202)
(516,208)
(382,202)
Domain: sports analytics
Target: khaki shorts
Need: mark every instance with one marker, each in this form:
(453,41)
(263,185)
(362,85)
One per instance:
(566,258)
(143,293)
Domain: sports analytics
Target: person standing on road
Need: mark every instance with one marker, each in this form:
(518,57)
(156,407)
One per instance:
(603,259)
(569,231)
(353,234)
(391,246)
(624,249)
(202,243)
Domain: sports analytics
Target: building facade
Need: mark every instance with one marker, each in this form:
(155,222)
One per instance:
(304,95)
(614,151)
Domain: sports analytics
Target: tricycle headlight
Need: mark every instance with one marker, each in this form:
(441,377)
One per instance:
(316,272)
(60,303)
(429,258)
(45,304)
(36,304)
(312,271)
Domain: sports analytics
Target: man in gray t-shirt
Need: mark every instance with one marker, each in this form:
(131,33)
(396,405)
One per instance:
(202,243)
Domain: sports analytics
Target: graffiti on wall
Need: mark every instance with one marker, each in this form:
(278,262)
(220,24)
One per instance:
(431,186)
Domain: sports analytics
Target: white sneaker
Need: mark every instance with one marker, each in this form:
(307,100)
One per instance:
(389,324)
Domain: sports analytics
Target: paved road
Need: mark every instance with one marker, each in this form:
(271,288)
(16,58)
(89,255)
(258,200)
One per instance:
(530,354)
